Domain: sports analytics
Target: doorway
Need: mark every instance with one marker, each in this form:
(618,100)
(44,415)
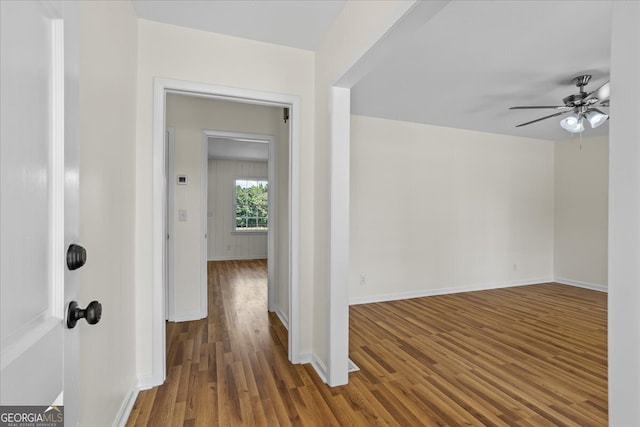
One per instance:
(245,164)
(166,87)
(204,218)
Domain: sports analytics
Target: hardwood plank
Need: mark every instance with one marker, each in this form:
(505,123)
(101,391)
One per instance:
(178,414)
(524,356)
(142,407)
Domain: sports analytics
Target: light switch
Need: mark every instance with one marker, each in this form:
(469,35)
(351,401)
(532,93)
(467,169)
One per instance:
(182,215)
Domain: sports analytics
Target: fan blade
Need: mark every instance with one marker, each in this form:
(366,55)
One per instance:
(596,110)
(601,94)
(535,107)
(545,117)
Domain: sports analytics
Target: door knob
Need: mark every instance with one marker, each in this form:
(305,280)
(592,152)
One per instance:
(76,256)
(91,314)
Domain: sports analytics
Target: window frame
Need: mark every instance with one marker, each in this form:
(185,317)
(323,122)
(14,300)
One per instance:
(234,195)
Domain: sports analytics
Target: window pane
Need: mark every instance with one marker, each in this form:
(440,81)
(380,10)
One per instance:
(251,204)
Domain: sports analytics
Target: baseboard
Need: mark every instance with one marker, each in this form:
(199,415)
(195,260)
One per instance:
(283,318)
(320,368)
(187,317)
(305,358)
(148,381)
(579,284)
(237,258)
(125,408)
(444,291)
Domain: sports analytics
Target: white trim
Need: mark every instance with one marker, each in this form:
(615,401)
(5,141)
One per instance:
(188,317)
(57,173)
(579,284)
(283,318)
(320,368)
(125,409)
(236,258)
(306,358)
(158,222)
(339,238)
(169,279)
(204,219)
(145,382)
(160,87)
(294,232)
(251,232)
(445,291)
(272,214)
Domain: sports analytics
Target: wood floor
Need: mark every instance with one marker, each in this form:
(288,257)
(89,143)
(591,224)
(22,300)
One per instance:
(524,356)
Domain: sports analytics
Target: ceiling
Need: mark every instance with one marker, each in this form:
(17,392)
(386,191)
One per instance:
(238,149)
(301,24)
(464,68)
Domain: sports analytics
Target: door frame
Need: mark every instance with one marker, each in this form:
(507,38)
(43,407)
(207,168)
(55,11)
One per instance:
(161,86)
(271,205)
(169,247)
(204,232)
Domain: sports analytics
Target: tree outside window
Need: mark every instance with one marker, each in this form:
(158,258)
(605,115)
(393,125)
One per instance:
(251,205)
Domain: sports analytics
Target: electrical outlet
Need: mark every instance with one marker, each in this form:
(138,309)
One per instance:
(363,279)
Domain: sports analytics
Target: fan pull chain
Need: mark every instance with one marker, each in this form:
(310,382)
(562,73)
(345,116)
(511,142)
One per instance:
(580,141)
(573,137)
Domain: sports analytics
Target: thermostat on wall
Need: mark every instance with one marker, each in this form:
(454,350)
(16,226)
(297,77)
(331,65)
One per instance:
(182,180)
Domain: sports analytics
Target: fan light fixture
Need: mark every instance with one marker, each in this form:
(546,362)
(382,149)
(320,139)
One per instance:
(596,117)
(573,123)
(579,106)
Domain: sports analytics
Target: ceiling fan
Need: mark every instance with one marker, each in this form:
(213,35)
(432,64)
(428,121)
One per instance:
(581,106)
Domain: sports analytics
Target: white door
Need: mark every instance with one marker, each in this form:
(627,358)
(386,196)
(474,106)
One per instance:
(39,201)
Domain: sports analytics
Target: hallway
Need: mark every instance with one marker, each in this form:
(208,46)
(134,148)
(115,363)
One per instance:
(227,367)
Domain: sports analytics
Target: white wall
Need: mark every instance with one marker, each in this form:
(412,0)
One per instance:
(581,211)
(107,207)
(185,293)
(224,244)
(438,210)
